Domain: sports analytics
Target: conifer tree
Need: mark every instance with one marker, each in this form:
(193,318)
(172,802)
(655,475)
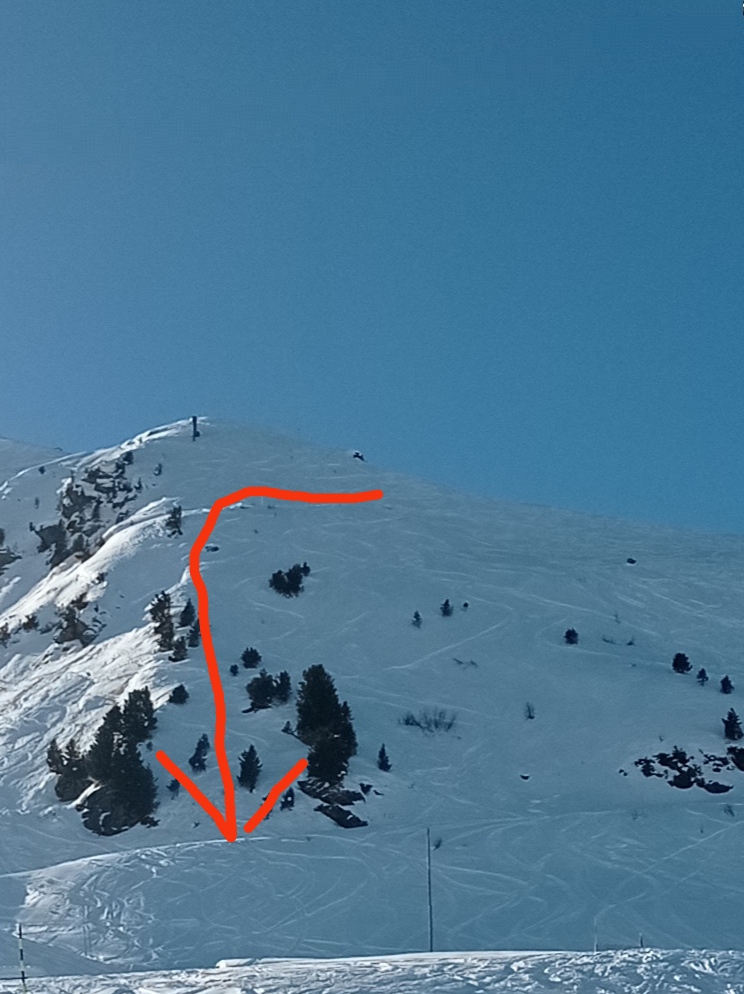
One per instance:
(198,761)
(138,716)
(446,608)
(251,658)
(702,677)
(288,800)
(99,760)
(54,758)
(680,663)
(346,733)
(383,763)
(416,620)
(194,635)
(261,691)
(187,615)
(732,726)
(179,650)
(327,761)
(132,787)
(160,612)
(179,695)
(250,767)
(173,522)
(571,636)
(234,669)
(283,687)
(74,778)
(726,685)
(318,707)
(174,786)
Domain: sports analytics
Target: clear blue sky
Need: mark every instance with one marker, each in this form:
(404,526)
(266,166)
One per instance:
(497,244)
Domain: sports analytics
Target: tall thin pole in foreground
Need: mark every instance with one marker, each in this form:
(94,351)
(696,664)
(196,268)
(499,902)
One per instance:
(428,877)
(20,953)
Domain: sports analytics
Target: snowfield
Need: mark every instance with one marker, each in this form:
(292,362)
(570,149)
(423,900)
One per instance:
(545,836)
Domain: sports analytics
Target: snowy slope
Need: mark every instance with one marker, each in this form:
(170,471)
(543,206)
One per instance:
(17,456)
(522,863)
(637,971)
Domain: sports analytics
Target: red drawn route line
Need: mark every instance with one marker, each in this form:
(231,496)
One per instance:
(228,822)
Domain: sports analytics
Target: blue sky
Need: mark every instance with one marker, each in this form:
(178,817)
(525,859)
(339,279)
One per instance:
(496,244)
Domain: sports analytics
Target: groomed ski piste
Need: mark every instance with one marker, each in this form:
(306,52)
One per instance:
(545,835)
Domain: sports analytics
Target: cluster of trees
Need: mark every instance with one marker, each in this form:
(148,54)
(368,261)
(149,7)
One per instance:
(125,793)
(681,664)
(165,630)
(445,609)
(290,583)
(79,511)
(265,689)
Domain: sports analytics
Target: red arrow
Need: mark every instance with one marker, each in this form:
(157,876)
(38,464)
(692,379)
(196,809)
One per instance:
(228,822)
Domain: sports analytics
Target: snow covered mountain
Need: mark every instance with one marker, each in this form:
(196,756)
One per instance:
(544,833)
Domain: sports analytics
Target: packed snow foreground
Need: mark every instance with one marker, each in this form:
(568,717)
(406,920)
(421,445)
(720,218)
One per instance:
(556,772)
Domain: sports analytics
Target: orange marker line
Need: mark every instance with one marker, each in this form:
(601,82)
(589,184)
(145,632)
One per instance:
(273,795)
(228,823)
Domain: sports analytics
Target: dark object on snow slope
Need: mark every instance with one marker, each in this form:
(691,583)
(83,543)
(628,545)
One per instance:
(346,819)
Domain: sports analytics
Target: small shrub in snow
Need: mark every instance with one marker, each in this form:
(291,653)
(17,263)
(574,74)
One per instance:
(416,620)
(179,695)
(251,658)
(529,710)
(571,636)
(234,669)
(430,720)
